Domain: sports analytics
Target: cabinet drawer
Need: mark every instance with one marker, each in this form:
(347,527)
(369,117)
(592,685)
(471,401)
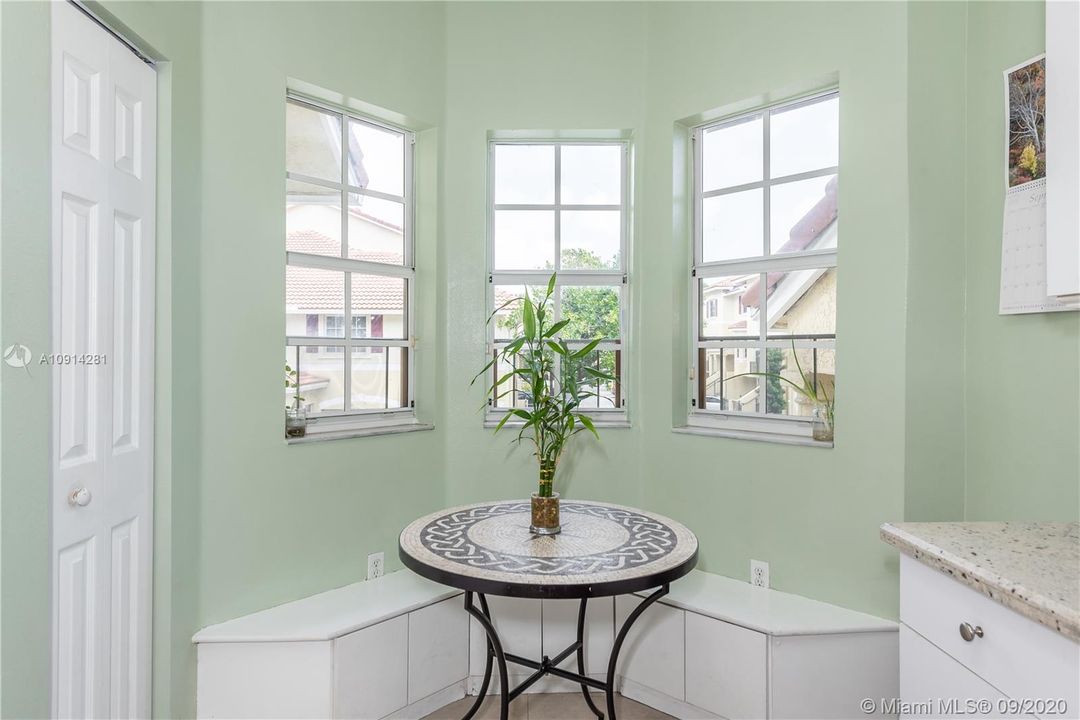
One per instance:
(1016,655)
(927,675)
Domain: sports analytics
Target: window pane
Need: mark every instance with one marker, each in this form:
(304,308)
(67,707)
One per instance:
(732,155)
(802,302)
(732,226)
(802,215)
(313,299)
(602,394)
(725,383)
(513,392)
(312,142)
(805,138)
(378,378)
(591,175)
(376,158)
(524,240)
(525,174)
(593,312)
(508,321)
(729,306)
(590,239)
(382,300)
(312,219)
(376,229)
(818,366)
(322,377)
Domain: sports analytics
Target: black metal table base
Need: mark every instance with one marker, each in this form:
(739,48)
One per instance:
(498,658)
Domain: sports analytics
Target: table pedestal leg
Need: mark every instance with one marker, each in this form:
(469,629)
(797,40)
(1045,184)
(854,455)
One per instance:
(620,638)
(550,666)
(494,650)
(581,657)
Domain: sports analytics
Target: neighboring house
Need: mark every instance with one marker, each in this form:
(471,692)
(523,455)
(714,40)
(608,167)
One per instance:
(801,302)
(314,304)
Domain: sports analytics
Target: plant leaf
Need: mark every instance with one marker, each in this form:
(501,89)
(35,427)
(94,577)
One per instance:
(588,423)
(587,349)
(496,310)
(556,347)
(528,318)
(556,328)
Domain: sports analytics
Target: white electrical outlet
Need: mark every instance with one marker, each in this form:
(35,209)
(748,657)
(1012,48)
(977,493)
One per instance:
(759,573)
(375,566)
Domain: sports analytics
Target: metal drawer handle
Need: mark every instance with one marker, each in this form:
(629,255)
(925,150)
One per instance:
(970,633)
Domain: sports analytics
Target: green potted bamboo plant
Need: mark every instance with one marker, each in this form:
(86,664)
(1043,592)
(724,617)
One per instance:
(555,379)
(814,392)
(295,414)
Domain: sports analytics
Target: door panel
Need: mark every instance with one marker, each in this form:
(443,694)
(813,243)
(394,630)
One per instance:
(103,169)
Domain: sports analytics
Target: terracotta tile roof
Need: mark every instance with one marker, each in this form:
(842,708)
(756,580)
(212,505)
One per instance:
(812,224)
(312,289)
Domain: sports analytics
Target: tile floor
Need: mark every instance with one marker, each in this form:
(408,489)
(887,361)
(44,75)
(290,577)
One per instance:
(548,706)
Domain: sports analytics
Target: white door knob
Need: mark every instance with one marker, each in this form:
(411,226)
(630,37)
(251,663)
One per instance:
(80,497)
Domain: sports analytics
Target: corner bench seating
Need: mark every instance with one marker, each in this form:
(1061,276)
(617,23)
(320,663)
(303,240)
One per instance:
(401,647)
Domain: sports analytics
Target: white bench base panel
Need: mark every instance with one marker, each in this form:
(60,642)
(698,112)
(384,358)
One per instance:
(712,649)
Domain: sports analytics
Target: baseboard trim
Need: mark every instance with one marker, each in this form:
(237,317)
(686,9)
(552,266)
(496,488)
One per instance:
(426,706)
(660,701)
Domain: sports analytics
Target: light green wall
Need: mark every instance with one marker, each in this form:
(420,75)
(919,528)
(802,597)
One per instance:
(811,513)
(1022,372)
(575,66)
(280,522)
(24,314)
(934,424)
(244,522)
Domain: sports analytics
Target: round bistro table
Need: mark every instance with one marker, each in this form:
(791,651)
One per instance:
(603,550)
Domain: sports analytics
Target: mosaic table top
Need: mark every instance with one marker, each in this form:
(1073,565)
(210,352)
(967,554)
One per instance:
(603,549)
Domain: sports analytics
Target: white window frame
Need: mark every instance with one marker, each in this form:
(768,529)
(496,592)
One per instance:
(742,424)
(615,277)
(362,421)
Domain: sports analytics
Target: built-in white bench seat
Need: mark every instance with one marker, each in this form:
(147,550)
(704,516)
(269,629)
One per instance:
(718,647)
(401,646)
(395,646)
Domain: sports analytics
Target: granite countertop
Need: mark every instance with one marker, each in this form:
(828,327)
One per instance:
(1030,567)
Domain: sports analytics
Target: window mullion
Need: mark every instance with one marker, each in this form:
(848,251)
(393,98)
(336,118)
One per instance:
(766,190)
(558,211)
(766,225)
(347,369)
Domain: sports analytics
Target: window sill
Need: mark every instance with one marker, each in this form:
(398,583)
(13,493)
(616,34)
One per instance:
(314,436)
(622,421)
(753,435)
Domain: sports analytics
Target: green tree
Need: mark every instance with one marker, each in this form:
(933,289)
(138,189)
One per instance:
(775,397)
(590,312)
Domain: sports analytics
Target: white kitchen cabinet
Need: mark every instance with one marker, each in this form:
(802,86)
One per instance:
(928,675)
(1015,655)
(1063,143)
